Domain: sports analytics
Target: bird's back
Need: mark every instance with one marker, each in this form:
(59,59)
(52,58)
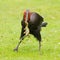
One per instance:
(35,20)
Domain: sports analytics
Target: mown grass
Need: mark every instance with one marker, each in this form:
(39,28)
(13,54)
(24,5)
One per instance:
(11,12)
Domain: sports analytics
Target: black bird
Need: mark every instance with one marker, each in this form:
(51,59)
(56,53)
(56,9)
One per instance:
(35,22)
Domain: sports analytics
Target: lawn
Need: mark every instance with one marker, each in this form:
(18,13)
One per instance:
(11,12)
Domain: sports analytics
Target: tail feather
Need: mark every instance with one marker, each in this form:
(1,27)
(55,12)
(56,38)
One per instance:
(43,24)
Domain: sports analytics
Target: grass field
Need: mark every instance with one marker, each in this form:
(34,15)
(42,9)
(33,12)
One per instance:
(11,12)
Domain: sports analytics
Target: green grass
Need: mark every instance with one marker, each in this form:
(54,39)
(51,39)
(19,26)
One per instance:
(11,12)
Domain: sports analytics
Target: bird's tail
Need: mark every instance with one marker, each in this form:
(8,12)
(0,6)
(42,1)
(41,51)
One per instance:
(43,24)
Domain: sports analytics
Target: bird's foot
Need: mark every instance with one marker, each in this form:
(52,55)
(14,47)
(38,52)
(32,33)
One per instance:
(15,49)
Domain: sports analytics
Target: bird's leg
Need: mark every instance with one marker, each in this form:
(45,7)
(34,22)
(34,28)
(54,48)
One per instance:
(16,49)
(39,45)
